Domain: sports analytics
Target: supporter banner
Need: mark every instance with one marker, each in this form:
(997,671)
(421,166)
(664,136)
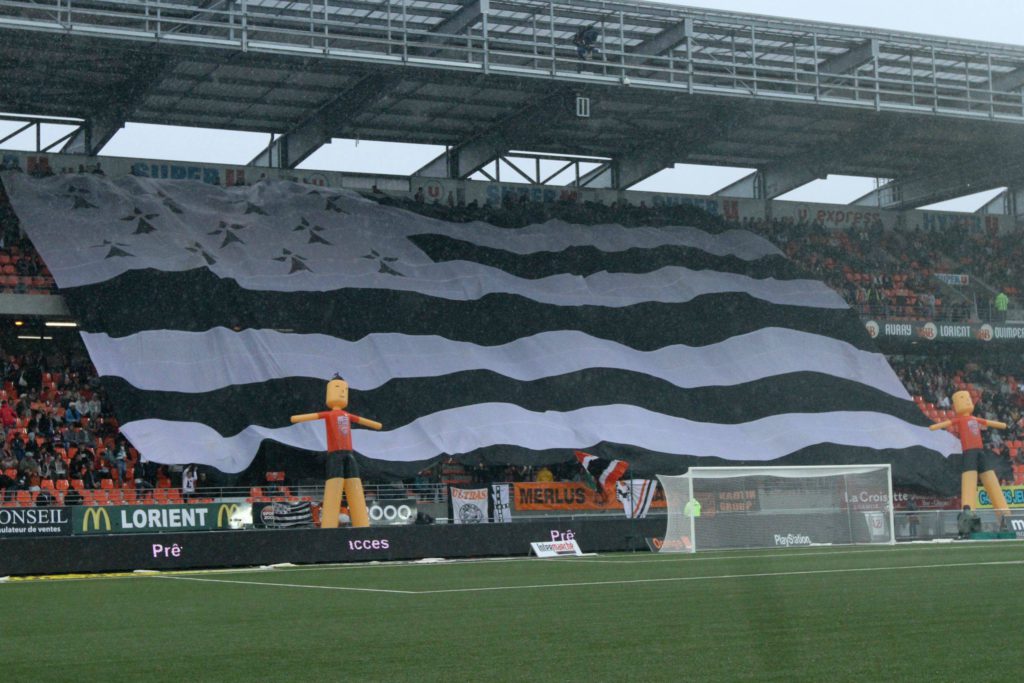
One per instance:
(282,514)
(530,497)
(133,519)
(469,506)
(928,331)
(501,503)
(636,496)
(955,279)
(46,521)
(392,512)
(1014,497)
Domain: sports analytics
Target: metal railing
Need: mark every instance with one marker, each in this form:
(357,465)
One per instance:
(639,44)
(927,525)
(426,493)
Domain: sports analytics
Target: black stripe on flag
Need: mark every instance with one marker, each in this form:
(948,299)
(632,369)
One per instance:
(197,300)
(399,401)
(587,260)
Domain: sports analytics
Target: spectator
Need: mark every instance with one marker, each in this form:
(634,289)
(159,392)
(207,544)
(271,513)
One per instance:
(60,469)
(584,41)
(72,497)
(188,482)
(8,417)
(121,459)
(72,413)
(1002,303)
(967,522)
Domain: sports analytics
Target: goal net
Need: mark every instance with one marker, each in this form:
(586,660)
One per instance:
(765,507)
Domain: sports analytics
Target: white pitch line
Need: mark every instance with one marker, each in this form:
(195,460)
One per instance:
(285,585)
(714,578)
(791,554)
(619,582)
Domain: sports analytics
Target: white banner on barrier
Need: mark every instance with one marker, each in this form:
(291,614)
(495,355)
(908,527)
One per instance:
(469,506)
(501,505)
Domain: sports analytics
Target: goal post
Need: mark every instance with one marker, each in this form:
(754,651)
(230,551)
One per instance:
(718,508)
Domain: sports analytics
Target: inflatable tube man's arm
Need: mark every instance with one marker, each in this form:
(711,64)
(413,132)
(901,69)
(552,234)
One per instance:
(933,427)
(366,423)
(994,424)
(308,417)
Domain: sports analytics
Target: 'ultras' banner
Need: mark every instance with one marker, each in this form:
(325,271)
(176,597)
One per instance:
(469,506)
(132,519)
(569,496)
(213,313)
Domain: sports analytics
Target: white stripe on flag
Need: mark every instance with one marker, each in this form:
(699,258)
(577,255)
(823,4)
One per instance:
(196,362)
(463,430)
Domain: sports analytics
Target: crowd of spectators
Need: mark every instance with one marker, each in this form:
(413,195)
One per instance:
(882,273)
(22,270)
(994,389)
(60,439)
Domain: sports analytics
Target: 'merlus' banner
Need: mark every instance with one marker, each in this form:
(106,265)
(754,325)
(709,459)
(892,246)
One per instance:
(569,496)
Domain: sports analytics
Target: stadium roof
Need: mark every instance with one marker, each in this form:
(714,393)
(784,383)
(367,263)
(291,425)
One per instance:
(796,100)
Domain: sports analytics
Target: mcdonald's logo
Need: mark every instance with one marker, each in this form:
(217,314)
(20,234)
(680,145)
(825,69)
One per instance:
(96,514)
(225,513)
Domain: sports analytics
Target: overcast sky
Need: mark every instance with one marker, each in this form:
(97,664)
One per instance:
(990,20)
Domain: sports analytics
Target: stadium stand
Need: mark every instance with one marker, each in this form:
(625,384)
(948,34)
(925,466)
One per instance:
(60,436)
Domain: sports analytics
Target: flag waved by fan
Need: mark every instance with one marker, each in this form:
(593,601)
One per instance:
(604,472)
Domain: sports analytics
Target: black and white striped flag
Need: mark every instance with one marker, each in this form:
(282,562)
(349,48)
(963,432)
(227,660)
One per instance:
(212,314)
(636,496)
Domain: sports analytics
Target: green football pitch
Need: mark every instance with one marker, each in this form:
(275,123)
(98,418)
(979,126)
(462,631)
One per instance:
(934,612)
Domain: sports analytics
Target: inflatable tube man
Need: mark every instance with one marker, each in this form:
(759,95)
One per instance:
(342,473)
(976,457)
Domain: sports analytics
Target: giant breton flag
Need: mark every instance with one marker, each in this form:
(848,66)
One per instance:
(212,314)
